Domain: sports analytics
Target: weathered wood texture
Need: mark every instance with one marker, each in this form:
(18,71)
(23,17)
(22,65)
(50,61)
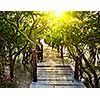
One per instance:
(56,77)
(53,72)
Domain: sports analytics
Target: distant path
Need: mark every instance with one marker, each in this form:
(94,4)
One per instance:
(51,57)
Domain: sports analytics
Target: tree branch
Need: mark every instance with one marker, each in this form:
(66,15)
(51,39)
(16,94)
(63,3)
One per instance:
(90,78)
(17,28)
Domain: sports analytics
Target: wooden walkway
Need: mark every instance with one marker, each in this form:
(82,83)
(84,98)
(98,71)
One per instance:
(52,73)
(56,77)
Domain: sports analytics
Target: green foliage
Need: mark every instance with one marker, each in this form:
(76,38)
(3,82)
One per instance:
(78,31)
(18,33)
(2,72)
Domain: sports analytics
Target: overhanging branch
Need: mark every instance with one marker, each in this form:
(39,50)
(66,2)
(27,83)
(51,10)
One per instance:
(10,22)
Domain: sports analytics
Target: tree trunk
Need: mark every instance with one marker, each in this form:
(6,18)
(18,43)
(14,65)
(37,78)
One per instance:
(11,66)
(11,71)
(61,51)
(90,67)
(81,72)
(12,62)
(58,48)
(77,64)
(89,78)
(41,52)
(52,46)
(34,66)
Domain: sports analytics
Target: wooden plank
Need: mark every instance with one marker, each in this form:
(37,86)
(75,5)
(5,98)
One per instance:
(69,86)
(59,66)
(55,71)
(55,68)
(57,85)
(44,86)
(50,68)
(55,82)
(56,77)
(56,74)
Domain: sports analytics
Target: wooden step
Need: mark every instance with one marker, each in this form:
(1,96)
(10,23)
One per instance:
(53,68)
(55,71)
(57,84)
(56,74)
(47,79)
(56,77)
(56,66)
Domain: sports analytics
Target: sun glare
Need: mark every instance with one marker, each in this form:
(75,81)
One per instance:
(58,13)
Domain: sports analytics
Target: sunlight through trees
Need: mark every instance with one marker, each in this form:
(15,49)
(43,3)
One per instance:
(76,31)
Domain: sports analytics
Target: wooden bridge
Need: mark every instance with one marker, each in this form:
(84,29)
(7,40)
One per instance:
(56,77)
(53,73)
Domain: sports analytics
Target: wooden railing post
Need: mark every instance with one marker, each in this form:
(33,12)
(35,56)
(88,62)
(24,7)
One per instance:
(34,66)
(77,64)
(41,52)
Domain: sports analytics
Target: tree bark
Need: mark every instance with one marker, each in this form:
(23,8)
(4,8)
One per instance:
(81,72)
(61,51)
(58,48)
(89,66)
(77,64)
(11,71)
(41,52)
(34,66)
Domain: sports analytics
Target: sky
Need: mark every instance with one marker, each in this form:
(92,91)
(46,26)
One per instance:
(45,5)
